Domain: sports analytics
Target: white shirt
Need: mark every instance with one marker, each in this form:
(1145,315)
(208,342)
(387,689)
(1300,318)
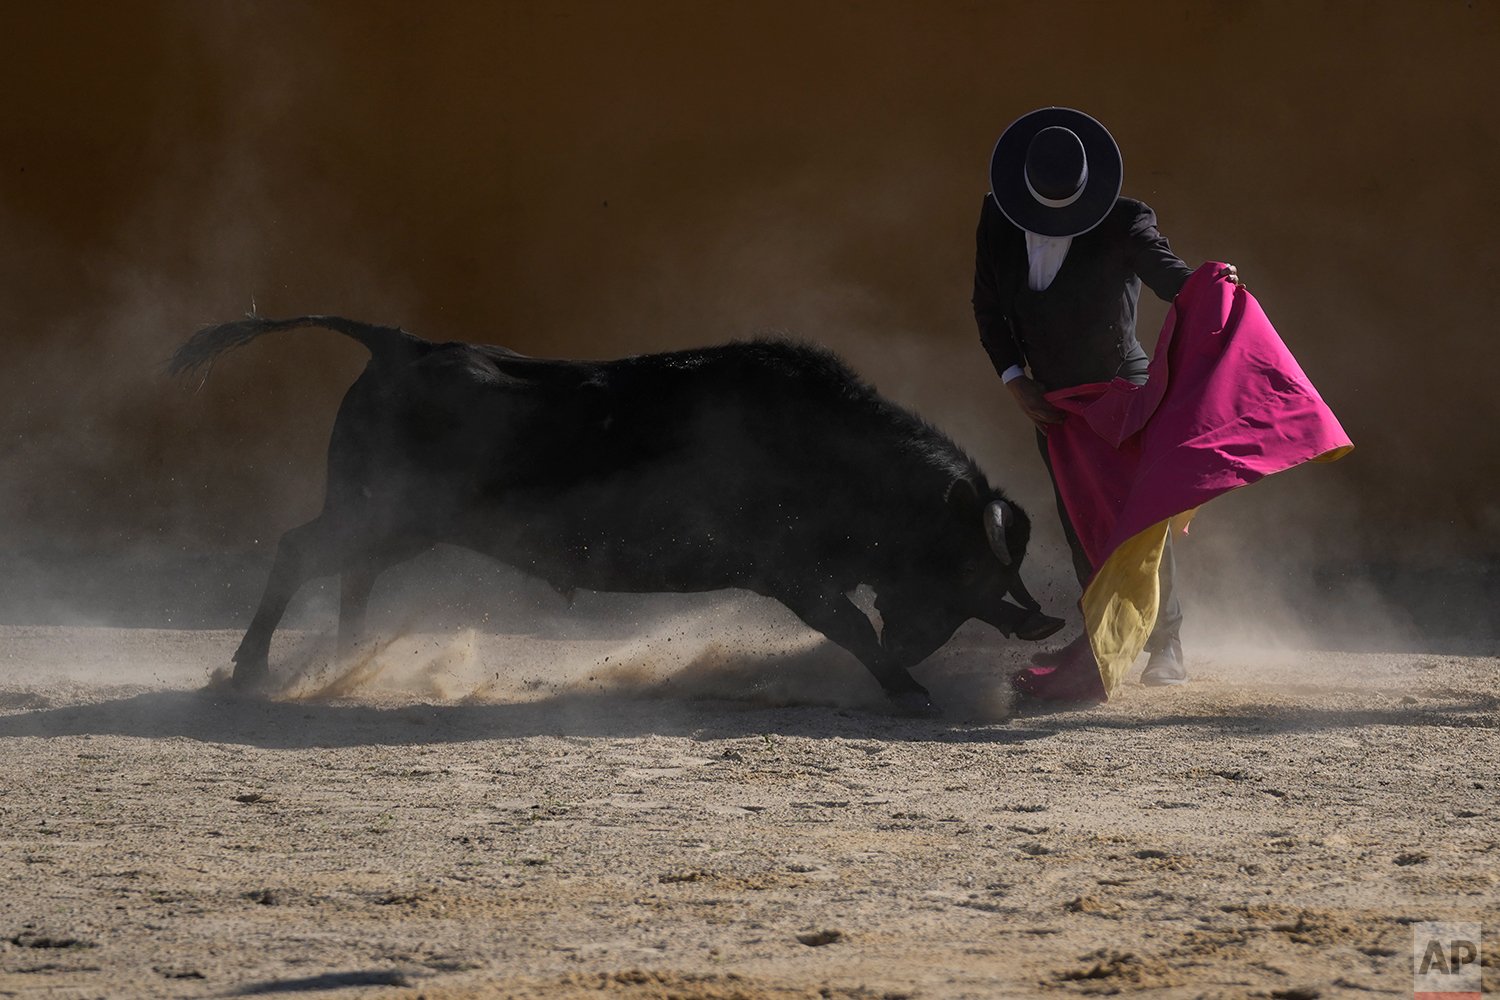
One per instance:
(1044,258)
(1045,255)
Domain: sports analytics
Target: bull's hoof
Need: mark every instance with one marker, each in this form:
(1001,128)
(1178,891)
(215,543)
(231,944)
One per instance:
(1038,626)
(915,705)
(228,682)
(249,677)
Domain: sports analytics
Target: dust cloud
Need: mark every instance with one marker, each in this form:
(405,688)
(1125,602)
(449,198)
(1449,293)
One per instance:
(606,650)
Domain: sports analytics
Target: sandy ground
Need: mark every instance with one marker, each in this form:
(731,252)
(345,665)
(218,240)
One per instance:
(697,807)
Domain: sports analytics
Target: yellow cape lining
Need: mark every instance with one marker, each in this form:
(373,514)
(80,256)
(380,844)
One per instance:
(1122,600)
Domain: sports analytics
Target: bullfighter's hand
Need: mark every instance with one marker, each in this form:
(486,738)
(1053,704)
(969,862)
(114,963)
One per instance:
(1033,402)
(1230,274)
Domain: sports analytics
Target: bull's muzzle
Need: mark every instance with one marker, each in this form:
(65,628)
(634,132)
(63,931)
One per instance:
(1022,595)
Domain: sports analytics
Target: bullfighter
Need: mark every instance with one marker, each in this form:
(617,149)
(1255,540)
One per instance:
(1060,260)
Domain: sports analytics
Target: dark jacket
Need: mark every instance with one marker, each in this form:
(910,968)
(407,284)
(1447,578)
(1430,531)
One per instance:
(1081,328)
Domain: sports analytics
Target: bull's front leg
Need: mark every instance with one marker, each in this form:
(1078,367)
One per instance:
(837,617)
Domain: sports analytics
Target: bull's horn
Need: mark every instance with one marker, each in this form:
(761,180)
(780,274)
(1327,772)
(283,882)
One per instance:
(997,517)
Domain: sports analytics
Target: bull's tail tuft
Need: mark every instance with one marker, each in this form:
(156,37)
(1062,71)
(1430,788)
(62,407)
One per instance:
(205,346)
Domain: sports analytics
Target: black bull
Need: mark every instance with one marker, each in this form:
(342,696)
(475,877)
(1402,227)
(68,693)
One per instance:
(767,465)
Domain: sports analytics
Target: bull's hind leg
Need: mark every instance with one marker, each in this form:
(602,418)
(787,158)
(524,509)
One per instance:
(361,568)
(354,597)
(317,548)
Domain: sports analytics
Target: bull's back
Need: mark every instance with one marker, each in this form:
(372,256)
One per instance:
(511,420)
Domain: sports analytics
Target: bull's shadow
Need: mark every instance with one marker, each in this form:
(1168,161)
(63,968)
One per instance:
(209,716)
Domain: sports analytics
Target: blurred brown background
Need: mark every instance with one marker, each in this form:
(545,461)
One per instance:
(591,179)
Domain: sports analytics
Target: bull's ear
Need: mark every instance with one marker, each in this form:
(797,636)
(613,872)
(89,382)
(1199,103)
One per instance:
(963,498)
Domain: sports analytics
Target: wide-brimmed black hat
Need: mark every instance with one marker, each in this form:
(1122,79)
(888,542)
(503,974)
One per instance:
(1056,172)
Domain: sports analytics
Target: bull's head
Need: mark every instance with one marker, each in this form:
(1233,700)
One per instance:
(1001,522)
(975,572)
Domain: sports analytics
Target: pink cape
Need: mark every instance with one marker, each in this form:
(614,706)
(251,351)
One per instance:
(1224,405)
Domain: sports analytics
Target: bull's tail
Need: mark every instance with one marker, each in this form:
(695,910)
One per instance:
(204,347)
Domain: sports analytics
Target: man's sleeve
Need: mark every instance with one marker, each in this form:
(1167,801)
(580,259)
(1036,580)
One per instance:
(1152,258)
(994,327)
